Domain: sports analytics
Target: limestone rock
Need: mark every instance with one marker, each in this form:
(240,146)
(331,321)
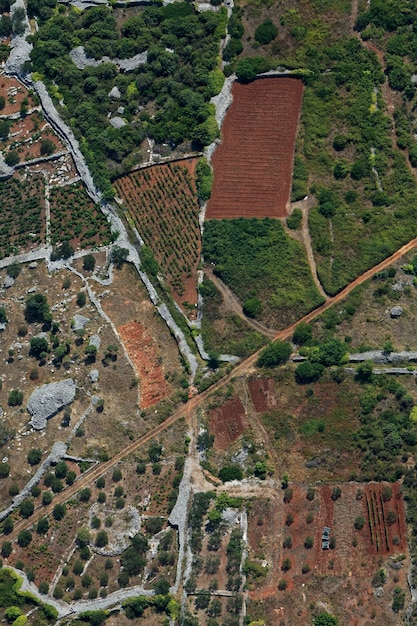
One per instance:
(46,401)
(117,122)
(115,92)
(8,282)
(94,376)
(396,311)
(95,341)
(79,321)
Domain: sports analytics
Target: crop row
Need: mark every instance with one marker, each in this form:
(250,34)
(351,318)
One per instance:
(162,202)
(22,219)
(76,218)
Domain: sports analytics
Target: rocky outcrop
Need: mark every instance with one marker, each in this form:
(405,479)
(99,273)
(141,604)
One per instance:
(46,401)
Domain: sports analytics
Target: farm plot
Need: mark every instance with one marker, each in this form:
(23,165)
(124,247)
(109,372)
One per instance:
(262,393)
(15,95)
(76,219)
(343,572)
(385,517)
(253,164)
(227,423)
(30,137)
(162,202)
(22,217)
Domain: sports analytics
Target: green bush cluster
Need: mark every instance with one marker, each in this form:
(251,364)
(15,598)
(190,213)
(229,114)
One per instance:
(179,78)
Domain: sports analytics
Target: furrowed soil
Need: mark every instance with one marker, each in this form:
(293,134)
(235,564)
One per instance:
(339,579)
(227,423)
(253,164)
(162,204)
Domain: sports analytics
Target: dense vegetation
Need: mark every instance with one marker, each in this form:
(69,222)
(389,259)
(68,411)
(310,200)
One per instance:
(365,209)
(166,98)
(256,259)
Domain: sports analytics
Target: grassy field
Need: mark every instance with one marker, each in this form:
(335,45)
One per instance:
(261,264)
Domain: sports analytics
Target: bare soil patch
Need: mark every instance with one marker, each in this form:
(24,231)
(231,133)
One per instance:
(253,164)
(262,393)
(143,351)
(14,93)
(26,135)
(340,577)
(227,422)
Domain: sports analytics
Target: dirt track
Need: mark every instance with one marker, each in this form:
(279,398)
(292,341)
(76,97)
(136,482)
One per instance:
(187,410)
(232,303)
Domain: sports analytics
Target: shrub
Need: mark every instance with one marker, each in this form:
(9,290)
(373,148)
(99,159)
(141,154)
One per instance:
(266,32)
(34,456)
(102,539)
(282,585)
(117,475)
(81,298)
(42,526)
(230,472)
(359,522)
(101,483)
(46,498)
(4,470)
(43,587)
(14,490)
(6,549)
(274,354)
(15,398)
(287,543)
(308,543)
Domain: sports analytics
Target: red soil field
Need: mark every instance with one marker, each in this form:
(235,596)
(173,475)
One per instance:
(253,164)
(381,532)
(162,202)
(227,423)
(143,352)
(262,392)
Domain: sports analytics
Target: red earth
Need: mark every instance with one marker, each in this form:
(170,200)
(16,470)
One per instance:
(227,423)
(381,532)
(262,393)
(142,350)
(253,164)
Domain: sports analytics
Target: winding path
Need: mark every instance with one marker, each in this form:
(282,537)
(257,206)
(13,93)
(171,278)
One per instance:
(232,303)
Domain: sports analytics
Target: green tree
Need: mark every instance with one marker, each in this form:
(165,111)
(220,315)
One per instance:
(42,526)
(303,333)
(12,158)
(24,538)
(47,147)
(230,472)
(15,398)
(266,32)
(39,347)
(274,354)
(325,619)
(89,263)
(102,539)
(26,508)
(34,456)
(59,511)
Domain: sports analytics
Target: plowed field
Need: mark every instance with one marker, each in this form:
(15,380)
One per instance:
(262,392)
(162,202)
(227,423)
(253,164)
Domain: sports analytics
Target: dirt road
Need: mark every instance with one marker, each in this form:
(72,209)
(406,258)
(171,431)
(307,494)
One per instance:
(188,409)
(232,303)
